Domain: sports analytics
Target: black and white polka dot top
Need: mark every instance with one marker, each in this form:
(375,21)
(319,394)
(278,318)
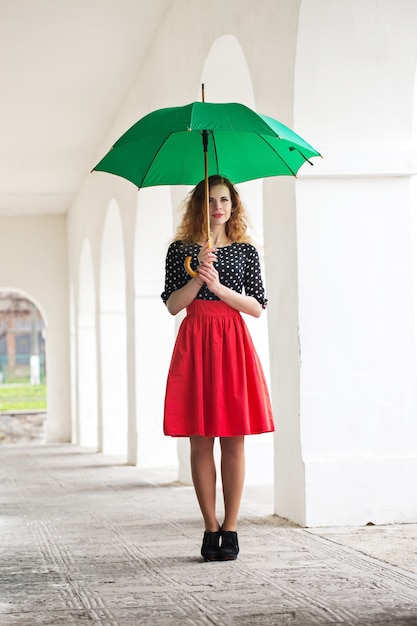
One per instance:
(238,266)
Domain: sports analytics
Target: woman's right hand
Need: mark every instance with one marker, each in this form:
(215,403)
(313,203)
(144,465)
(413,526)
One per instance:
(206,255)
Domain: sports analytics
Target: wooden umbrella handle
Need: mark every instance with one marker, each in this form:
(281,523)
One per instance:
(187,265)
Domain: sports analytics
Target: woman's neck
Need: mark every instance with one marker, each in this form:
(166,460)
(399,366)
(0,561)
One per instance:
(218,237)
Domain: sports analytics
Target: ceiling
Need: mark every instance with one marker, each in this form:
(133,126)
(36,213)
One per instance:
(65,68)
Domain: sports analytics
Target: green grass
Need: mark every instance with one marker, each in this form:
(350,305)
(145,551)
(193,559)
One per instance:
(22,397)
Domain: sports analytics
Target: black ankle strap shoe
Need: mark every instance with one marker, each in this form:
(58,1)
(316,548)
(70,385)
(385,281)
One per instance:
(210,547)
(229,548)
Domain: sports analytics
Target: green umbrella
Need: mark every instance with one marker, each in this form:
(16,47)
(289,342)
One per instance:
(184,145)
(165,146)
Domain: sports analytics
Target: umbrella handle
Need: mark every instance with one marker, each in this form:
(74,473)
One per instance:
(187,265)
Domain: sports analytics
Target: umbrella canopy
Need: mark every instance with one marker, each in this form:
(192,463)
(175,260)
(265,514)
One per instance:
(184,145)
(166,146)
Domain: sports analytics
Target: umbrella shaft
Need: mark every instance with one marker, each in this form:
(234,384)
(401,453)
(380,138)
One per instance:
(207,199)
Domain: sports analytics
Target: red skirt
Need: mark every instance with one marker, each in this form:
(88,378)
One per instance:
(216,386)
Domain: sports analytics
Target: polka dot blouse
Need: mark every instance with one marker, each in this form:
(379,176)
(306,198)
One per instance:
(238,266)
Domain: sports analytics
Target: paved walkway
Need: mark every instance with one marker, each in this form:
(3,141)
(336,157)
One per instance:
(86,539)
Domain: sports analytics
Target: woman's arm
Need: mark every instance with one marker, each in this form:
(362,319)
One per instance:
(244,304)
(182,297)
(238,301)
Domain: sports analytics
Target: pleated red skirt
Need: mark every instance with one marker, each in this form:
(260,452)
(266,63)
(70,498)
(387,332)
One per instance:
(216,386)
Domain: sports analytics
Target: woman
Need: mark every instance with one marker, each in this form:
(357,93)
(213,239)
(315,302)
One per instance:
(216,386)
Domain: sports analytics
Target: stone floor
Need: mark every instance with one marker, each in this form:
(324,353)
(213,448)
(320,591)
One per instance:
(86,539)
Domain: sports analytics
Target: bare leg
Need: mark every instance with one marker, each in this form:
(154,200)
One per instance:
(233,477)
(203,471)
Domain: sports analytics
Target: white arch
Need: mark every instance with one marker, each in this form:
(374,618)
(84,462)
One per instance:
(225,73)
(113,334)
(87,351)
(227,78)
(28,296)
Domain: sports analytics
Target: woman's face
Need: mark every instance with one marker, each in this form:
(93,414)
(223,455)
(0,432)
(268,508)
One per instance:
(220,205)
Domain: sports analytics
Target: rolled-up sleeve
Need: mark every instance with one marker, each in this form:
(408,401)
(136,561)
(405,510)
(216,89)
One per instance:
(253,283)
(175,275)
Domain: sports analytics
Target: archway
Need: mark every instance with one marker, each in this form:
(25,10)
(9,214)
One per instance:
(23,393)
(113,335)
(87,351)
(227,78)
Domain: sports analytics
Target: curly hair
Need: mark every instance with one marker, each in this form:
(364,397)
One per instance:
(193,226)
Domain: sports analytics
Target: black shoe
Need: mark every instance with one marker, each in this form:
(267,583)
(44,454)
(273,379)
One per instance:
(229,548)
(210,547)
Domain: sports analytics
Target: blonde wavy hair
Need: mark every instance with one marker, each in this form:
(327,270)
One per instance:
(193,225)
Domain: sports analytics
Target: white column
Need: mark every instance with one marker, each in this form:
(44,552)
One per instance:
(282,288)
(153,327)
(358,375)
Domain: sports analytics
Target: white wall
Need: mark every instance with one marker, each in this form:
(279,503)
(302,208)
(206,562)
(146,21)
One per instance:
(358,390)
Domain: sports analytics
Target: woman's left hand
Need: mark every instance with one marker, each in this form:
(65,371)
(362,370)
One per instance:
(210,275)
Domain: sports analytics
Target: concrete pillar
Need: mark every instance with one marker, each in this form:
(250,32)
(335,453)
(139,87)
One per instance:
(153,327)
(282,286)
(344,363)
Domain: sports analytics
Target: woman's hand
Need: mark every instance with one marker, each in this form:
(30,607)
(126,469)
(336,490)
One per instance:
(208,273)
(206,254)
(206,270)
